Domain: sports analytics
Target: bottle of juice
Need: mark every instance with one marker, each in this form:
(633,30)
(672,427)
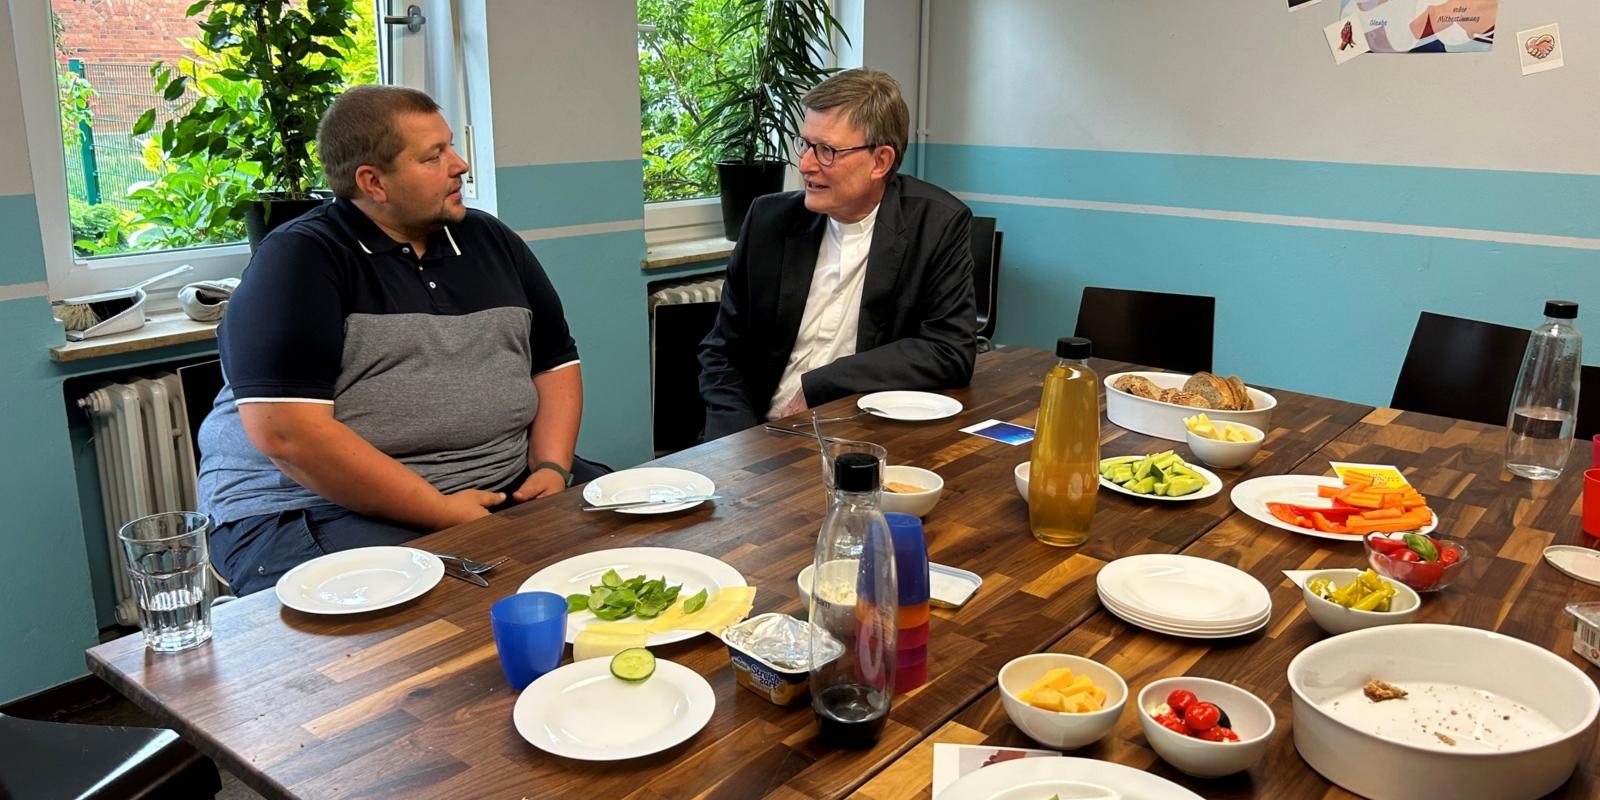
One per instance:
(1064,474)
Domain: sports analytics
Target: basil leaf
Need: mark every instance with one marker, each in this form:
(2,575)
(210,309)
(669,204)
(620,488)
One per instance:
(695,603)
(611,579)
(577,602)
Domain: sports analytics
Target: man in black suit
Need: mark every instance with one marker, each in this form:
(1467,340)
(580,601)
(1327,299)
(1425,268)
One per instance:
(860,282)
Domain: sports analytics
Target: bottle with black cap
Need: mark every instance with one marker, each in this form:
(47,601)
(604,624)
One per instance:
(1064,472)
(858,616)
(1544,407)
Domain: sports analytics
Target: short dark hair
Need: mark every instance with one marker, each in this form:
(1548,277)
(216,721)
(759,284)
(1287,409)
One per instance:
(359,129)
(871,101)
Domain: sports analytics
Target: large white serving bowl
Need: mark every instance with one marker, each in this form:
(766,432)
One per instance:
(1382,768)
(1252,720)
(1165,420)
(1337,619)
(1054,728)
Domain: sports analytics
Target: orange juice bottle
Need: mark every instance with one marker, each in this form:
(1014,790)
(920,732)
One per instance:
(1064,473)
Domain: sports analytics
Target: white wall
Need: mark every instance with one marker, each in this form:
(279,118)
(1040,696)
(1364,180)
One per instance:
(557,77)
(1249,78)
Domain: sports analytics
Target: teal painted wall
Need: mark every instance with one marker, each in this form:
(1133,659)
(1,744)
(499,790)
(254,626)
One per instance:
(1307,308)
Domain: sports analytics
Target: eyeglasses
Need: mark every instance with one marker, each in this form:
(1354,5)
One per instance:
(826,154)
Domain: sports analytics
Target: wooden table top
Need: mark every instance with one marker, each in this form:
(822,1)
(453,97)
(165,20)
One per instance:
(1504,522)
(410,701)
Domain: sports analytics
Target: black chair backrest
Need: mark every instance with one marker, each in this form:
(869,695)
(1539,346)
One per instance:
(1460,368)
(1139,327)
(201,382)
(1588,405)
(680,414)
(985,272)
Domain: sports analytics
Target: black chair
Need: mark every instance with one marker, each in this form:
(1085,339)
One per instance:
(1588,403)
(1460,368)
(986,276)
(95,762)
(1138,327)
(201,382)
(679,413)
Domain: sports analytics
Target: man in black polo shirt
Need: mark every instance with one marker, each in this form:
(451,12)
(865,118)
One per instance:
(395,362)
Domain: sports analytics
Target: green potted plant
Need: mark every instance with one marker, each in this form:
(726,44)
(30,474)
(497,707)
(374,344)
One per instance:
(755,108)
(289,59)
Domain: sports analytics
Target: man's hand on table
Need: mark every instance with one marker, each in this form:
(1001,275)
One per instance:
(540,483)
(467,505)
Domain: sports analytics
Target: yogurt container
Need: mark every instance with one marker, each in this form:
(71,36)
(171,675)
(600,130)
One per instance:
(771,656)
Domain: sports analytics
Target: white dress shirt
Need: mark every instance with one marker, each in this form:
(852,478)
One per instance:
(833,306)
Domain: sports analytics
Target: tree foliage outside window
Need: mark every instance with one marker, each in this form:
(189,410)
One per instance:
(192,198)
(678,61)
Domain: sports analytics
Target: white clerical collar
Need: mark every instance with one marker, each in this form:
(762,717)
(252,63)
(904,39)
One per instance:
(862,227)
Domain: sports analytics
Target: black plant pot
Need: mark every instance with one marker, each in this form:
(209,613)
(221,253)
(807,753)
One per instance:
(267,213)
(741,184)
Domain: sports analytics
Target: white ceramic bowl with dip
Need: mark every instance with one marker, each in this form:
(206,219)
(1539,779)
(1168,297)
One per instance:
(1521,740)
(917,504)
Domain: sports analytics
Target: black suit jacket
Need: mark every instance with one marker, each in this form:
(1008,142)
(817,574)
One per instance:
(918,323)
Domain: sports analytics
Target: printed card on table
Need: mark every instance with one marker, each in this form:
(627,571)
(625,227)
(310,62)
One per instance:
(1383,475)
(1004,432)
(951,761)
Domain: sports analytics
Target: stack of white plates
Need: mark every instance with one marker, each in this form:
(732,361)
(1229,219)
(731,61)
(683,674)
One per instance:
(1184,596)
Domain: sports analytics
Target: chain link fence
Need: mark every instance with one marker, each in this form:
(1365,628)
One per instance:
(110,160)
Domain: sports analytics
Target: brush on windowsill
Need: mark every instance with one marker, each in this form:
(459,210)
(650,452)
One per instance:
(81,313)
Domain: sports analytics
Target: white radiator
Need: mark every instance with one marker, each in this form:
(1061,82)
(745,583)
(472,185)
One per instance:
(141,441)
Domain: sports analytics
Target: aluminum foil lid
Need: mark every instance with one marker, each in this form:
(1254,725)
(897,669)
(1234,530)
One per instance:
(780,640)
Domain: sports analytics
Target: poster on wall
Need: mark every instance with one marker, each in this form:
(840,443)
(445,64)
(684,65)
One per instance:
(1344,41)
(1296,5)
(1421,26)
(1540,49)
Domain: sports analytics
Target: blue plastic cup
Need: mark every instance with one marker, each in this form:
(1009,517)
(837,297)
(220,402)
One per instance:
(529,631)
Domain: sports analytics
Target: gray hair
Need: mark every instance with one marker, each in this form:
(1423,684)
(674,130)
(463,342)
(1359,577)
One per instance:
(871,101)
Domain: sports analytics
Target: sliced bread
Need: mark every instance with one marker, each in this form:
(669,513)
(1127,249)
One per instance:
(1215,390)
(1241,392)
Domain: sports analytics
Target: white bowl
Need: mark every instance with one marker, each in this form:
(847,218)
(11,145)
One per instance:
(1020,477)
(1165,420)
(917,504)
(1337,619)
(1054,728)
(1225,455)
(1335,740)
(842,571)
(1252,720)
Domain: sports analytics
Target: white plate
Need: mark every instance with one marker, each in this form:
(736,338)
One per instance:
(582,711)
(574,575)
(363,579)
(1252,497)
(648,483)
(1184,590)
(1173,629)
(911,406)
(1578,563)
(1212,487)
(1072,778)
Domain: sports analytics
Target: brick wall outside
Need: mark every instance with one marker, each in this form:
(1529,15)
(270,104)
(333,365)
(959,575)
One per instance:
(125,31)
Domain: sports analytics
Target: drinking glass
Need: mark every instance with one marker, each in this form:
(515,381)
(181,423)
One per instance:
(167,558)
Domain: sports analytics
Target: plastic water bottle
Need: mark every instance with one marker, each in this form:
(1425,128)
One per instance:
(1544,407)
(851,693)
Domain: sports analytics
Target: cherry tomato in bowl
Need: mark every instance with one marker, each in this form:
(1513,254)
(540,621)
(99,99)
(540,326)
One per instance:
(1392,557)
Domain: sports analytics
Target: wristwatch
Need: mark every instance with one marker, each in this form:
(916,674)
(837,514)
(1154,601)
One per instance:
(566,476)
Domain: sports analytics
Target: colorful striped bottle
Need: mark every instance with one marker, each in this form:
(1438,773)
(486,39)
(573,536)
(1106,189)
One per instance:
(911,568)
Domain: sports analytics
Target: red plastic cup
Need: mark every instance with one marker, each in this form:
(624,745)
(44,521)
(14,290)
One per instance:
(1591,502)
(1596,462)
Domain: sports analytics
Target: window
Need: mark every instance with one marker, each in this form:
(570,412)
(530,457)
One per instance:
(113,206)
(681,43)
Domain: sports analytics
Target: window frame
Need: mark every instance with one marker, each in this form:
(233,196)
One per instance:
(66,273)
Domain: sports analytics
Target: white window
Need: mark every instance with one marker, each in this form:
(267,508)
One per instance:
(83,189)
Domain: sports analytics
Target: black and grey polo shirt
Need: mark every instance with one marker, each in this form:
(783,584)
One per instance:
(431,359)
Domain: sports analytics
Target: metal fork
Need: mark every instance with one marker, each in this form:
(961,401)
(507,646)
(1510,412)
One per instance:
(474,567)
(873,410)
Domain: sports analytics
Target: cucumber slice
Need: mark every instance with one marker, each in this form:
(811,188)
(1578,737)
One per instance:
(633,665)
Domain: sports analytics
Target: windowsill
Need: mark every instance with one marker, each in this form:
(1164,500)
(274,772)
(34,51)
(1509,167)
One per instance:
(160,330)
(692,251)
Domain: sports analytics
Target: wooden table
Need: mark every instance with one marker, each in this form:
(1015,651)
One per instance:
(410,702)
(1504,522)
